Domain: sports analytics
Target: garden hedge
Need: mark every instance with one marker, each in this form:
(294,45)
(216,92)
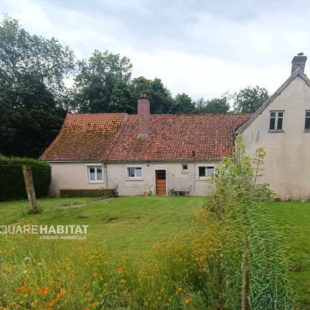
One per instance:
(12,185)
(105,192)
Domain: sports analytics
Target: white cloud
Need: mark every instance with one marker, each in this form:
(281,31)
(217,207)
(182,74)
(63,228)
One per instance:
(203,76)
(203,48)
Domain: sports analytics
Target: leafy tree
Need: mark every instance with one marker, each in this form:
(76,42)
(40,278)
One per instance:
(32,72)
(213,106)
(29,118)
(182,104)
(160,97)
(217,105)
(22,53)
(102,84)
(249,99)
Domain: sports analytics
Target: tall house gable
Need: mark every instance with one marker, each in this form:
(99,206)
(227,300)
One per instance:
(281,127)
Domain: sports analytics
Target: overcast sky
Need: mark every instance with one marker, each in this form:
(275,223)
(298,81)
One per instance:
(203,48)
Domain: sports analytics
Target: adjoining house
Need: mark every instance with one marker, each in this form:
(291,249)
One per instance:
(159,154)
(282,127)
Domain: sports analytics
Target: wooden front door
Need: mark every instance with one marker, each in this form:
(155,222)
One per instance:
(160,182)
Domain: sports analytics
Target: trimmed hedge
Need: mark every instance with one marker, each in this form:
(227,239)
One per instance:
(104,192)
(12,184)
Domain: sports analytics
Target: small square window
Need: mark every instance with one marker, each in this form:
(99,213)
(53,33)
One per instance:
(276,120)
(185,167)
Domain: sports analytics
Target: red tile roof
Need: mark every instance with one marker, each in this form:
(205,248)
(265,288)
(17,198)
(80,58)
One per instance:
(114,137)
(175,137)
(85,136)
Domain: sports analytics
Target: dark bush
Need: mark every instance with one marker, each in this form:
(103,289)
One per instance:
(104,192)
(12,185)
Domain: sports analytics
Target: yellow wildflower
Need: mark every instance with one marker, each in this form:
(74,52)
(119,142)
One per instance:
(188,300)
(95,304)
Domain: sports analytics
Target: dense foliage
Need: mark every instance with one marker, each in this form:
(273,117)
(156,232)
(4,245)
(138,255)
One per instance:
(254,262)
(32,72)
(249,99)
(104,192)
(12,184)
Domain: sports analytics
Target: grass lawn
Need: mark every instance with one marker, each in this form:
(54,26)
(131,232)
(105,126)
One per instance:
(121,231)
(122,224)
(292,220)
(120,237)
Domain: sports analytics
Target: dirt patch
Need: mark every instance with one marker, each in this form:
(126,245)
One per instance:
(79,205)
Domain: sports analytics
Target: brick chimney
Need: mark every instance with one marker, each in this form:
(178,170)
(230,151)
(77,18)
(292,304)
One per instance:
(299,61)
(144,122)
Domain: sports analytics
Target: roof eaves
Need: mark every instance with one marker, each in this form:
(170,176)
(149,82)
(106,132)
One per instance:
(180,160)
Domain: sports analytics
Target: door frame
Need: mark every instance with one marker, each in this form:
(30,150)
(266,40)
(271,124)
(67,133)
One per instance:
(160,168)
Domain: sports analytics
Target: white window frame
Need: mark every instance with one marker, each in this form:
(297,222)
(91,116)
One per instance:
(276,120)
(135,177)
(95,166)
(206,176)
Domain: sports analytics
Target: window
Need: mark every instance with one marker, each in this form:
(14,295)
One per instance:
(307,120)
(95,174)
(276,120)
(205,171)
(185,168)
(134,172)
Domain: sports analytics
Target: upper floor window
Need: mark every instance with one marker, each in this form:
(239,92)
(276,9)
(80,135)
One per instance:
(134,172)
(276,120)
(307,120)
(95,174)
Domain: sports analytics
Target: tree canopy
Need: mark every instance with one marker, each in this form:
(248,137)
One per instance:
(32,73)
(35,96)
(249,99)
(102,83)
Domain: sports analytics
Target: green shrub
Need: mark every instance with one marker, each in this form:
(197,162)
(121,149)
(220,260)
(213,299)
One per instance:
(103,192)
(253,261)
(12,185)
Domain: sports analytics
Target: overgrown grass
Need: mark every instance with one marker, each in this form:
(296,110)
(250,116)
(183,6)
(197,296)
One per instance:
(292,225)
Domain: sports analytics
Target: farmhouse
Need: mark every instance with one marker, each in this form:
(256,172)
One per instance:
(161,154)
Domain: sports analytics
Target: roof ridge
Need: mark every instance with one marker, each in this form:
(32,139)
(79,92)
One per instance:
(101,113)
(197,114)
